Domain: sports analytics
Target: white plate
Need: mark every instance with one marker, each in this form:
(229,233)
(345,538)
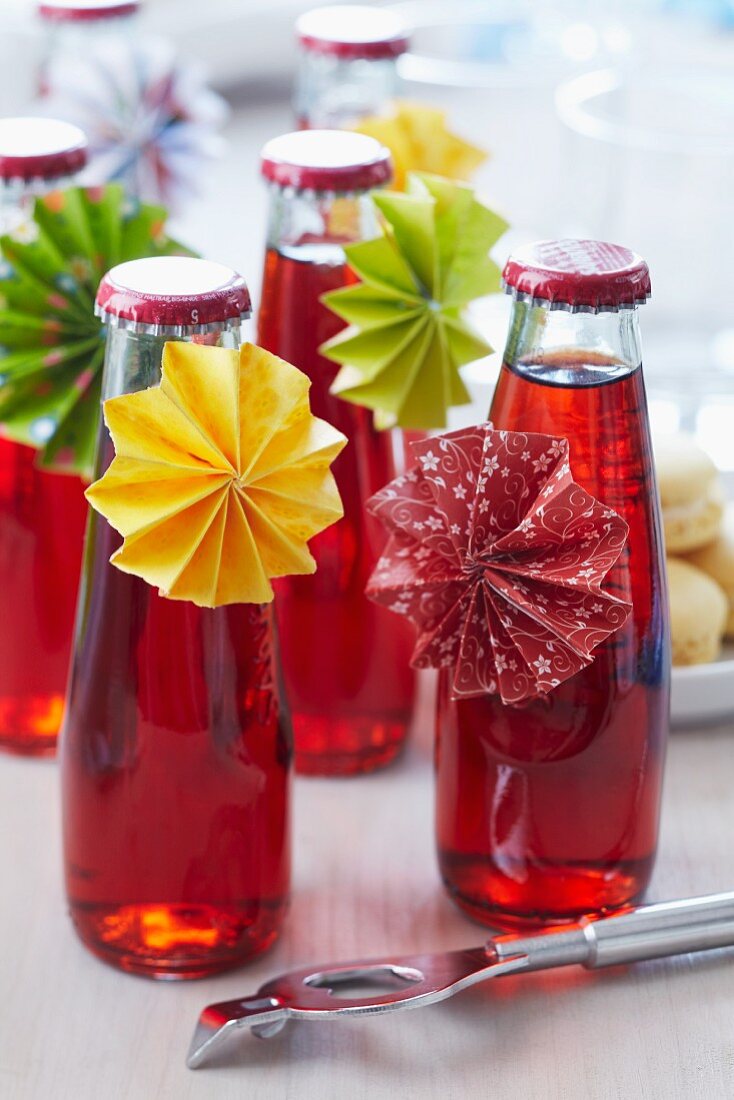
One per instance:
(704,693)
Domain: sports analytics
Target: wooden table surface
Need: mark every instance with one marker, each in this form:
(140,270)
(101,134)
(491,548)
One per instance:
(366,883)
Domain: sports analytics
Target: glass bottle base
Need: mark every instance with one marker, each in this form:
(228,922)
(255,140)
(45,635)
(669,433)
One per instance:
(29,726)
(353,746)
(177,942)
(550,894)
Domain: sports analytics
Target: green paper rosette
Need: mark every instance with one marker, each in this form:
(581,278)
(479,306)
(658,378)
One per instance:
(51,343)
(408,333)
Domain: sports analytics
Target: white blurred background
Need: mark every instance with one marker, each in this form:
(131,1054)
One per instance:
(609,118)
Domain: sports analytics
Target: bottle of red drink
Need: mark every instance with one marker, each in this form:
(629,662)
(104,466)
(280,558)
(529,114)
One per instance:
(176,753)
(348,64)
(345,660)
(42,514)
(550,809)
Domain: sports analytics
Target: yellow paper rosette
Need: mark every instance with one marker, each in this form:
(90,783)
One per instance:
(419,139)
(221,475)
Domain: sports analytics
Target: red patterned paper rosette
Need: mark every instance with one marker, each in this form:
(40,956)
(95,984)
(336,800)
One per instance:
(498,557)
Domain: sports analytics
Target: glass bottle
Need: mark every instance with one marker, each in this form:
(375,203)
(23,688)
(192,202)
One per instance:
(550,809)
(73,27)
(176,752)
(42,514)
(345,660)
(347,69)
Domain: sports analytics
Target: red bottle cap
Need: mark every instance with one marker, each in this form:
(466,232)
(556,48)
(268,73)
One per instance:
(326,160)
(578,275)
(176,291)
(40,148)
(85,11)
(353,31)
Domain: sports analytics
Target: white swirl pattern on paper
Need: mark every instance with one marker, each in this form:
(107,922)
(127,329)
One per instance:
(498,557)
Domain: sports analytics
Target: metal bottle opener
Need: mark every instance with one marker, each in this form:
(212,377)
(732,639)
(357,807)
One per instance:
(411,981)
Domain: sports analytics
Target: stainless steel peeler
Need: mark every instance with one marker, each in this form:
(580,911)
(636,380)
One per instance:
(411,981)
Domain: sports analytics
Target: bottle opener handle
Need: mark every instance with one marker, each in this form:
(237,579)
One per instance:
(646,932)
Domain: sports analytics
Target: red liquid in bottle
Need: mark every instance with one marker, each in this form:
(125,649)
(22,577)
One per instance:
(550,809)
(42,517)
(345,660)
(175,769)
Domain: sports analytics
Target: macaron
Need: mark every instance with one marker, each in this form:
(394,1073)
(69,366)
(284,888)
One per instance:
(691,493)
(698,613)
(717,560)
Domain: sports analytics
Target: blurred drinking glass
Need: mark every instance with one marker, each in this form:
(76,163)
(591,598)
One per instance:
(650,163)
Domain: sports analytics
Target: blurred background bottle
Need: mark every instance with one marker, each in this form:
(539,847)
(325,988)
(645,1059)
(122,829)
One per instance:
(73,28)
(42,513)
(347,66)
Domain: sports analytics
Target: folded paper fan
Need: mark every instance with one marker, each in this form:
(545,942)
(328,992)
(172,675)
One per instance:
(220,476)
(151,121)
(408,335)
(420,141)
(498,557)
(51,343)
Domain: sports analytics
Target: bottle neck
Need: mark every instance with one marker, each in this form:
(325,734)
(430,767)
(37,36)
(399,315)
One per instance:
(17,198)
(133,359)
(572,349)
(318,221)
(77,35)
(16,205)
(335,93)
